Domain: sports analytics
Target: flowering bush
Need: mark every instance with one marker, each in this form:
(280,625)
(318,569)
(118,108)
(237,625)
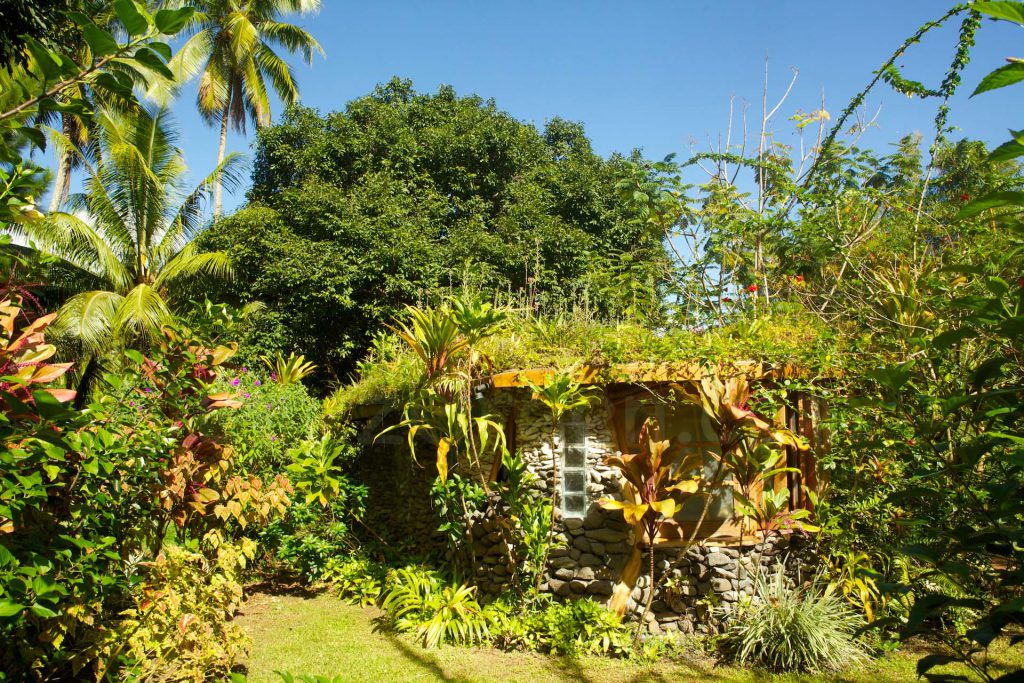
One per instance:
(271,419)
(180,628)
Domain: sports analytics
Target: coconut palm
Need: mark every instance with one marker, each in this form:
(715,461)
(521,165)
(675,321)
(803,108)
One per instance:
(125,248)
(232,50)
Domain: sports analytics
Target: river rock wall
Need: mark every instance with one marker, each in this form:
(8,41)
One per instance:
(695,588)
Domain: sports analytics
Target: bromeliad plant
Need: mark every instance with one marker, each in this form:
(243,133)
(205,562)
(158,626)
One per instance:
(446,340)
(438,612)
(289,370)
(656,487)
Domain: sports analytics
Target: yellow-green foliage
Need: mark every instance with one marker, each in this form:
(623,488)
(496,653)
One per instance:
(782,337)
(182,629)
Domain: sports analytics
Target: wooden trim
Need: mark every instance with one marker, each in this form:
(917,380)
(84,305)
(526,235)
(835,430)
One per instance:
(650,373)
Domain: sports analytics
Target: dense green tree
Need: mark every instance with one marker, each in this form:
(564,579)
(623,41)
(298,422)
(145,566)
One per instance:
(404,195)
(43,20)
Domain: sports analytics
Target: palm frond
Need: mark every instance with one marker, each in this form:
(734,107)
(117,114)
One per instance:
(140,314)
(86,319)
(292,38)
(79,245)
(190,264)
(190,60)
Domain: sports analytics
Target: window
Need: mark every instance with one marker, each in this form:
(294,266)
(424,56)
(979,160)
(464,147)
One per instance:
(687,427)
(574,464)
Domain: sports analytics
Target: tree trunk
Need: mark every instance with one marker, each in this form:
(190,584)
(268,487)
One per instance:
(650,595)
(63,180)
(218,185)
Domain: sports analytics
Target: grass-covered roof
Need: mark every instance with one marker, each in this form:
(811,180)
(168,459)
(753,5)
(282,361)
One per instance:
(605,352)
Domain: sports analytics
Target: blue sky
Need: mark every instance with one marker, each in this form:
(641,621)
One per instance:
(646,74)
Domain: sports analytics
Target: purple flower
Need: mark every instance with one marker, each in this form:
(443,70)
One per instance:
(245,369)
(269,406)
(147,390)
(235,382)
(273,438)
(273,376)
(247,395)
(257,383)
(131,403)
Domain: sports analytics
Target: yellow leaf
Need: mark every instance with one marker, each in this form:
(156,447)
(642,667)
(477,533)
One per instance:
(666,507)
(442,458)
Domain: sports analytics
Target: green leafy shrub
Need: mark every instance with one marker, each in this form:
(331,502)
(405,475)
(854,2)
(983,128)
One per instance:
(181,628)
(273,417)
(528,522)
(357,579)
(88,500)
(573,628)
(419,601)
(808,628)
(318,528)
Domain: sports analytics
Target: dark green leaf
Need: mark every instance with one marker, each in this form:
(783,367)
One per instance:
(100,42)
(951,337)
(993,200)
(46,60)
(135,22)
(997,285)
(152,61)
(1002,9)
(1006,151)
(9,609)
(162,49)
(35,136)
(42,612)
(170,21)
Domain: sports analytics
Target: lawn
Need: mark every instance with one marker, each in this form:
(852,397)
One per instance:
(318,634)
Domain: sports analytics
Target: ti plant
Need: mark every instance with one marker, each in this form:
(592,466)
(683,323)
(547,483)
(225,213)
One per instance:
(657,485)
(750,447)
(23,356)
(446,341)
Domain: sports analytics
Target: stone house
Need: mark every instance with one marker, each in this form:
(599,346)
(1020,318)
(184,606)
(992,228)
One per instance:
(697,586)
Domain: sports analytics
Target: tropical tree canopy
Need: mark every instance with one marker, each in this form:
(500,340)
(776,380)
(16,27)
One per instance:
(124,249)
(404,196)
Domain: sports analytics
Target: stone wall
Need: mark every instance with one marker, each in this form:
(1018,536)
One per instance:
(695,589)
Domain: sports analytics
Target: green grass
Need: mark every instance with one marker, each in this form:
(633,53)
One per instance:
(320,635)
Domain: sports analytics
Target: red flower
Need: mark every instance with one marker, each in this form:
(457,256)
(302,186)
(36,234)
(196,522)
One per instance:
(964,197)
(751,288)
(799,278)
(1020,282)
(910,442)
(727,299)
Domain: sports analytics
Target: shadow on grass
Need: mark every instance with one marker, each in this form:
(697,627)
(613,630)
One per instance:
(422,658)
(294,589)
(571,669)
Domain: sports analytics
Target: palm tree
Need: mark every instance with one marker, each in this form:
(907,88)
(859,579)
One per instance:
(232,48)
(125,249)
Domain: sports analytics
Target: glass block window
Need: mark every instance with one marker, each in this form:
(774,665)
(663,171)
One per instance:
(574,465)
